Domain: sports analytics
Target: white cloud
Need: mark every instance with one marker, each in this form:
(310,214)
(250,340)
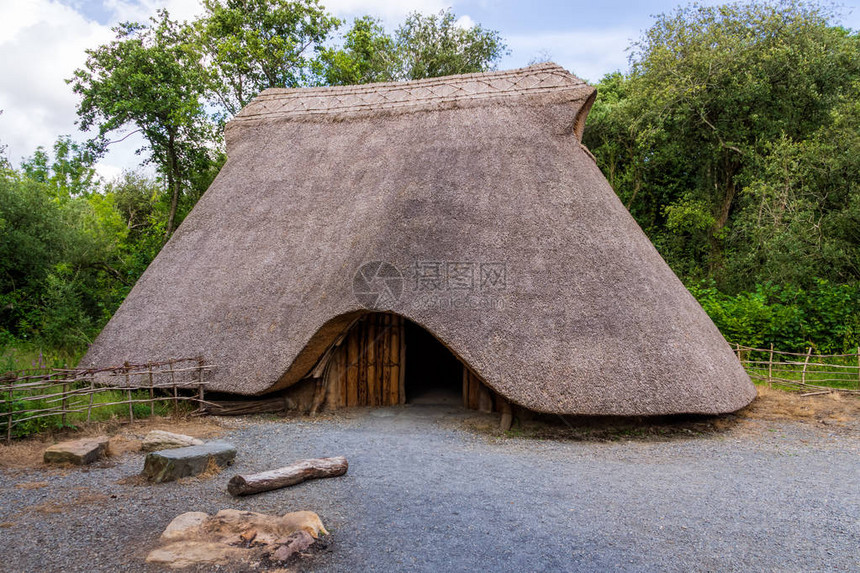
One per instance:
(588,54)
(142,10)
(464,22)
(42,43)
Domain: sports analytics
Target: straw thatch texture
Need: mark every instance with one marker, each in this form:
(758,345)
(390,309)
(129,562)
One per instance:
(486,168)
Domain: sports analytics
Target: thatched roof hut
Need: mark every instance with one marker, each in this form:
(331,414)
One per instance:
(500,235)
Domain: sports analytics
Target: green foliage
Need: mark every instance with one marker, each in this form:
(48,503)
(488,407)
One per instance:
(825,317)
(368,55)
(422,47)
(251,45)
(732,141)
(69,174)
(149,76)
(434,45)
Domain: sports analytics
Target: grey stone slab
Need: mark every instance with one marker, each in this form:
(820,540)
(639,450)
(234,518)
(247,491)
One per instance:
(169,465)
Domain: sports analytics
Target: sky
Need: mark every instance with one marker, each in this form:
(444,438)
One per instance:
(42,42)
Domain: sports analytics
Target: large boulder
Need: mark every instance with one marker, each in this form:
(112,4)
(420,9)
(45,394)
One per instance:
(160,440)
(169,465)
(236,537)
(78,452)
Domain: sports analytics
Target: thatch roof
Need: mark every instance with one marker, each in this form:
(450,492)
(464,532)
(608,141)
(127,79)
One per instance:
(483,169)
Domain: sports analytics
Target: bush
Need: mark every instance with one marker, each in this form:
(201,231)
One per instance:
(825,317)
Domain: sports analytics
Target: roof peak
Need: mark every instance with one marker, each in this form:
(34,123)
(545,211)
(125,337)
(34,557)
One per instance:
(286,102)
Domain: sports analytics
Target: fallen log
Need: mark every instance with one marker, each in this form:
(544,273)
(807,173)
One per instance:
(287,476)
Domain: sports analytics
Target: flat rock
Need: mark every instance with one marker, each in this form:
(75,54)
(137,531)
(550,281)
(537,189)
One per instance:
(78,452)
(187,553)
(232,537)
(169,465)
(160,440)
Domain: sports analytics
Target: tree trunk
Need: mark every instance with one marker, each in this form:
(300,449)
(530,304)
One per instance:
(287,476)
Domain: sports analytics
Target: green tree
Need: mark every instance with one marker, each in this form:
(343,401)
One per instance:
(423,46)
(251,45)
(435,45)
(150,77)
(368,55)
(711,91)
(69,173)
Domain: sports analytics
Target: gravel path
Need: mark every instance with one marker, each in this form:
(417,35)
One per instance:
(423,495)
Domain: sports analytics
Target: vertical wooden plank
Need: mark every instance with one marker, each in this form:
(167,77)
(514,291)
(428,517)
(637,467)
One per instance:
(384,358)
(352,368)
(401,371)
(474,391)
(331,383)
(382,395)
(485,401)
(372,390)
(395,360)
(805,364)
(362,364)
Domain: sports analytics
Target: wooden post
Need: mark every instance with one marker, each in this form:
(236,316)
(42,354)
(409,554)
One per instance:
(151,394)
(805,364)
(92,397)
(507,415)
(770,366)
(65,401)
(372,389)
(9,416)
(858,367)
(200,394)
(128,386)
(175,391)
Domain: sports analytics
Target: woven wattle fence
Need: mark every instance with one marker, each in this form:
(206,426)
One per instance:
(38,393)
(818,373)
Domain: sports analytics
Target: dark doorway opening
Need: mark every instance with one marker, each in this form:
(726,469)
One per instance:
(433,373)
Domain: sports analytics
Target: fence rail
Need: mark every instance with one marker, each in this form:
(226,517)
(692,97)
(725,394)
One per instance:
(27,395)
(817,373)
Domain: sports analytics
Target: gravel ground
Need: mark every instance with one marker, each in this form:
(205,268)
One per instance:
(422,494)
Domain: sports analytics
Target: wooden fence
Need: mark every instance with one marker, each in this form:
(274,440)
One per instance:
(27,395)
(817,373)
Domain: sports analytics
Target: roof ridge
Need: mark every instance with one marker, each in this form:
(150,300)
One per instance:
(284,102)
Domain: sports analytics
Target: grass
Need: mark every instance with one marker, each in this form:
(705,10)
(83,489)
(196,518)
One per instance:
(104,408)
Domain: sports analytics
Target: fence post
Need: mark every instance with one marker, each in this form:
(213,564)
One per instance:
(858,367)
(200,387)
(128,392)
(65,401)
(805,364)
(151,394)
(9,416)
(92,396)
(770,367)
(175,391)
